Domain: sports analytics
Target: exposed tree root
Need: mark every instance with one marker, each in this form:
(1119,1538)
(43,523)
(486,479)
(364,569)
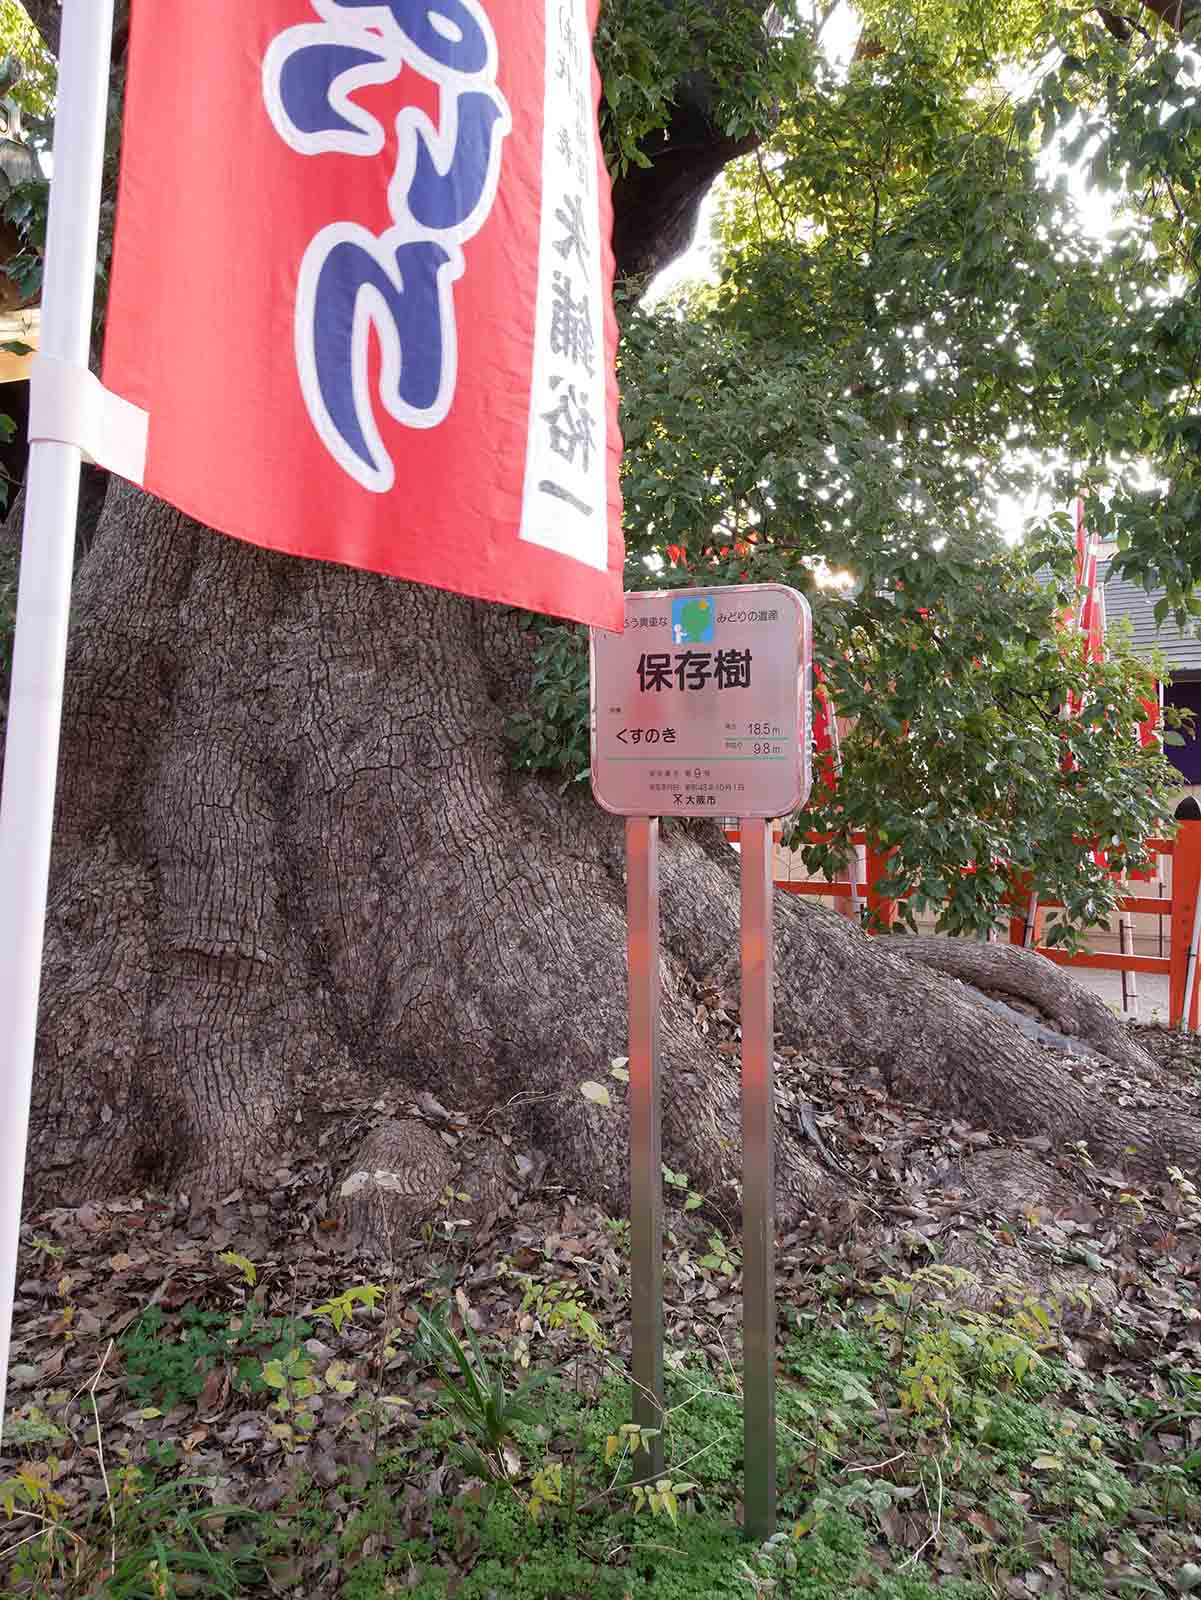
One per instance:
(1025,975)
(298,852)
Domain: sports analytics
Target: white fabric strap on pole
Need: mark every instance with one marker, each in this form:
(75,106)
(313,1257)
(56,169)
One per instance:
(43,605)
(69,405)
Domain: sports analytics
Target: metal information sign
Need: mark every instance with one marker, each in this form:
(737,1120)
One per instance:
(702,708)
(702,705)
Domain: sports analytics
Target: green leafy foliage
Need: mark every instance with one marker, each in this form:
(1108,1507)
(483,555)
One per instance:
(157,1537)
(932,1440)
(550,732)
(951,1352)
(475,1394)
(241,1264)
(647,49)
(910,325)
(292,1380)
(341,1308)
(560,1305)
(26,207)
(161,1372)
(35,90)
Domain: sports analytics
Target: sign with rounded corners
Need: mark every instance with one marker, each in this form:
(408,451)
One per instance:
(702,706)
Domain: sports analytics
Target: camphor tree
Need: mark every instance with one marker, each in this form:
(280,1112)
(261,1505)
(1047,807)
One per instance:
(318,826)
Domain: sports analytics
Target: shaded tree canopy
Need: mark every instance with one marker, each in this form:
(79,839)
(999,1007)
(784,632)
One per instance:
(911,322)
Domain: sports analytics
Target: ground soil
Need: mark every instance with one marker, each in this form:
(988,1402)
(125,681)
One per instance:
(89,1272)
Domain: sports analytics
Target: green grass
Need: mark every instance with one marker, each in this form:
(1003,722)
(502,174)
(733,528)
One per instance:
(155,1539)
(923,1448)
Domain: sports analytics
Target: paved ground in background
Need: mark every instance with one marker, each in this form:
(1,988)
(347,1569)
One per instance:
(1152,993)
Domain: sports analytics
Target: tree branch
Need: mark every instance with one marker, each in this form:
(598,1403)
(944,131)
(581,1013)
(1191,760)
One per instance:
(771,189)
(46,16)
(1176,13)
(1122,30)
(655,208)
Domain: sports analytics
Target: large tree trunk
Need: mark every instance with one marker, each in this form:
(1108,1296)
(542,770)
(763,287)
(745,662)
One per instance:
(291,849)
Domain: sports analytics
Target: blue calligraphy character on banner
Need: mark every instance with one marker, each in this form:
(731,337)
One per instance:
(445,177)
(350,284)
(314,86)
(451,34)
(398,284)
(311,74)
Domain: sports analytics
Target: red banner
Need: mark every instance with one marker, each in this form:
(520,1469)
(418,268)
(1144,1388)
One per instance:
(828,763)
(362,286)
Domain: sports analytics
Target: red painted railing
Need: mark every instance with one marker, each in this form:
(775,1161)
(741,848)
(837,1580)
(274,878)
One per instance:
(1180,907)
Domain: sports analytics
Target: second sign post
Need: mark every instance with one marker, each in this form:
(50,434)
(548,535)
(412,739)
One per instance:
(701,707)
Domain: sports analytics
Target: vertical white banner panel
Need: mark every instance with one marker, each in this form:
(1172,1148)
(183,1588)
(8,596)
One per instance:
(564,501)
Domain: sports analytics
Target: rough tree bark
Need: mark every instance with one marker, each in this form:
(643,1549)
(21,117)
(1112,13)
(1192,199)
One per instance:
(290,849)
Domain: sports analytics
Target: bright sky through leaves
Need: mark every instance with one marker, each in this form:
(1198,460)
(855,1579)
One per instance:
(1096,210)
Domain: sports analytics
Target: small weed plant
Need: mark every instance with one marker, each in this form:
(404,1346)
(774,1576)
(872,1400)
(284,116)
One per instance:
(161,1371)
(476,1397)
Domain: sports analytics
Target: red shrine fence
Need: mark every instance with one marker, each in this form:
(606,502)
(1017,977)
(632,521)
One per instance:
(1179,910)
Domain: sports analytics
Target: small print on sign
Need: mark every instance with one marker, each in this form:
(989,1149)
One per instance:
(702,704)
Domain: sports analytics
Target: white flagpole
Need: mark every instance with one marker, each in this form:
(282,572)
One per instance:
(43,603)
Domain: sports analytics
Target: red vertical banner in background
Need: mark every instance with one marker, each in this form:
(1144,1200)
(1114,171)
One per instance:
(362,286)
(1148,729)
(825,735)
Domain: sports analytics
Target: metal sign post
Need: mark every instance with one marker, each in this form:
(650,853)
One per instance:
(701,708)
(758,1183)
(646,1142)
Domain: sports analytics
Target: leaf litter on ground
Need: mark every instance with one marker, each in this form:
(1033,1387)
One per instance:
(235,1292)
